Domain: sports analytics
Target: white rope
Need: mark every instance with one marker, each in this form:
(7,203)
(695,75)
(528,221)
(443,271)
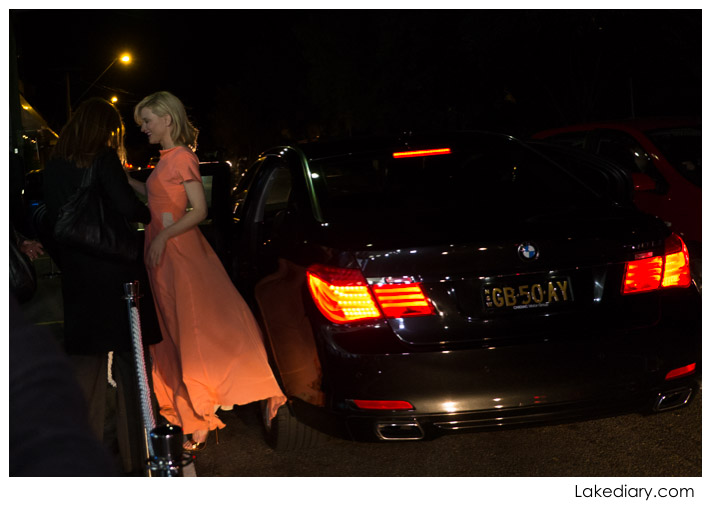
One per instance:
(141,370)
(111,381)
(143,385)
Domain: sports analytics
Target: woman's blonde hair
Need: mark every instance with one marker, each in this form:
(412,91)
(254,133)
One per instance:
(95,124)
(162,103)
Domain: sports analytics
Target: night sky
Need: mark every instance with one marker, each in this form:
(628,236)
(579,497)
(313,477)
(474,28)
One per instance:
(253,78)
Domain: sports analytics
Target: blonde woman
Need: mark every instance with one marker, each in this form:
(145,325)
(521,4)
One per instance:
(212,353)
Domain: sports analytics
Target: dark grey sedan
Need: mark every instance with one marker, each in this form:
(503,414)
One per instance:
(423,285)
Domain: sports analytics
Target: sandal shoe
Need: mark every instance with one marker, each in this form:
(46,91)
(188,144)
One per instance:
(192,446)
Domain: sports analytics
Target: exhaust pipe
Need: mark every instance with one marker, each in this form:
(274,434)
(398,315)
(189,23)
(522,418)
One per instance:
(399,431)
(673,399)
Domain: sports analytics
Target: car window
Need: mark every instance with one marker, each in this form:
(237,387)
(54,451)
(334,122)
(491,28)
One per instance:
(625,150)
(569,139)
(602,175)
(242,189)
(276,194)
(278,191)
(484,181)
(682,148)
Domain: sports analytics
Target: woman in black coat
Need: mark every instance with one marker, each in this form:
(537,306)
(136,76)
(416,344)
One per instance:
(97,330)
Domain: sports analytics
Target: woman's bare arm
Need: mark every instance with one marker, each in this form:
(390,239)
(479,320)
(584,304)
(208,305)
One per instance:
(138,186)
(195,194)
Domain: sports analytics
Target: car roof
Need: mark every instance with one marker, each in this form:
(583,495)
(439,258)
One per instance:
(628,124)
(359,145)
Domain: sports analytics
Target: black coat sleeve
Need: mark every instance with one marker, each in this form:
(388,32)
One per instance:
(117,190)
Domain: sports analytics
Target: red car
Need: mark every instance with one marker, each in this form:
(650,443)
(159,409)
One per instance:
(664,157)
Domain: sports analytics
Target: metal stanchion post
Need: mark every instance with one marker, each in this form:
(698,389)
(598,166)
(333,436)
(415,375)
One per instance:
(132,294)
(164,443)
(168,458)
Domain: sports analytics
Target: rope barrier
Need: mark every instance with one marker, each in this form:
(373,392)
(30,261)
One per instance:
(164,444)
(111,381)
(131,297)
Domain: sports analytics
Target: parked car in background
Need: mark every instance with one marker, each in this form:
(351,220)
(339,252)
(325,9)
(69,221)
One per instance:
(664,157)
(424,285)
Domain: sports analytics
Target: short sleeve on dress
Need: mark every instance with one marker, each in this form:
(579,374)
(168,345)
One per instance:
(186,166)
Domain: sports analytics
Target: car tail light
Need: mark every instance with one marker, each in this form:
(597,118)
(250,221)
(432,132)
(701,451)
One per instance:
(643,275)
(402,300)
(343,296)
(676,270)
(390,405)
(422,152)
(668,271)
(681,371)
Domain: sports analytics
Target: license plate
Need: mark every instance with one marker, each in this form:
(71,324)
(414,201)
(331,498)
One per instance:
(526,295)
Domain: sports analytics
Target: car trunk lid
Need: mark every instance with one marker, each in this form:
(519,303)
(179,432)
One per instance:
(533,277)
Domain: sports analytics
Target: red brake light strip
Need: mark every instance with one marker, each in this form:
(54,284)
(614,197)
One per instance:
(386,405)
(422,152)
(681,371)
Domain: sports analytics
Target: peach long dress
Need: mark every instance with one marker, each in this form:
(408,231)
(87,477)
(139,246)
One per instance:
(212,351)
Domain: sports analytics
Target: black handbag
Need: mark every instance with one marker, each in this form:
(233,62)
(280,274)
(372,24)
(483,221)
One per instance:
(23,277)
(86,222)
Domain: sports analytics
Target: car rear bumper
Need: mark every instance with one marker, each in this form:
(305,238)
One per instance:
(409,426)
(434,425)
(551,379)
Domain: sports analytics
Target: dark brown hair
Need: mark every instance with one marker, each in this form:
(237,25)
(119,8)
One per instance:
(96,124)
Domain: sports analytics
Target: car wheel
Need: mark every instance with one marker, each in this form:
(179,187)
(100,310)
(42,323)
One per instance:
(286,433)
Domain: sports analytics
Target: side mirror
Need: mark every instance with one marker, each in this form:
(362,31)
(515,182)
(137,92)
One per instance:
(642,182)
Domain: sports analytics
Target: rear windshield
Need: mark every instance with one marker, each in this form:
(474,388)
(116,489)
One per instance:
(682,148)
(497,178)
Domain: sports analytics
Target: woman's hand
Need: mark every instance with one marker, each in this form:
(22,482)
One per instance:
(156,249)
(31,248)
(136,185)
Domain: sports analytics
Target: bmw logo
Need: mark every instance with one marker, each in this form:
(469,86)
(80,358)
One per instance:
(528,251)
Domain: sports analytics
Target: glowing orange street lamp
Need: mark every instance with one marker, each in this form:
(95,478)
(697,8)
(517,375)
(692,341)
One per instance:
(124,58)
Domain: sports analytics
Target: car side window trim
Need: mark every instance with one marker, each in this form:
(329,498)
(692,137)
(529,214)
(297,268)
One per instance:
(316,211)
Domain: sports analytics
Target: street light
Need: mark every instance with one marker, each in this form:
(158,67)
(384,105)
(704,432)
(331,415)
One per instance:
(124,59)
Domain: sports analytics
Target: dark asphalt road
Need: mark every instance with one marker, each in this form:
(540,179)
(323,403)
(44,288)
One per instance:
(662,445)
